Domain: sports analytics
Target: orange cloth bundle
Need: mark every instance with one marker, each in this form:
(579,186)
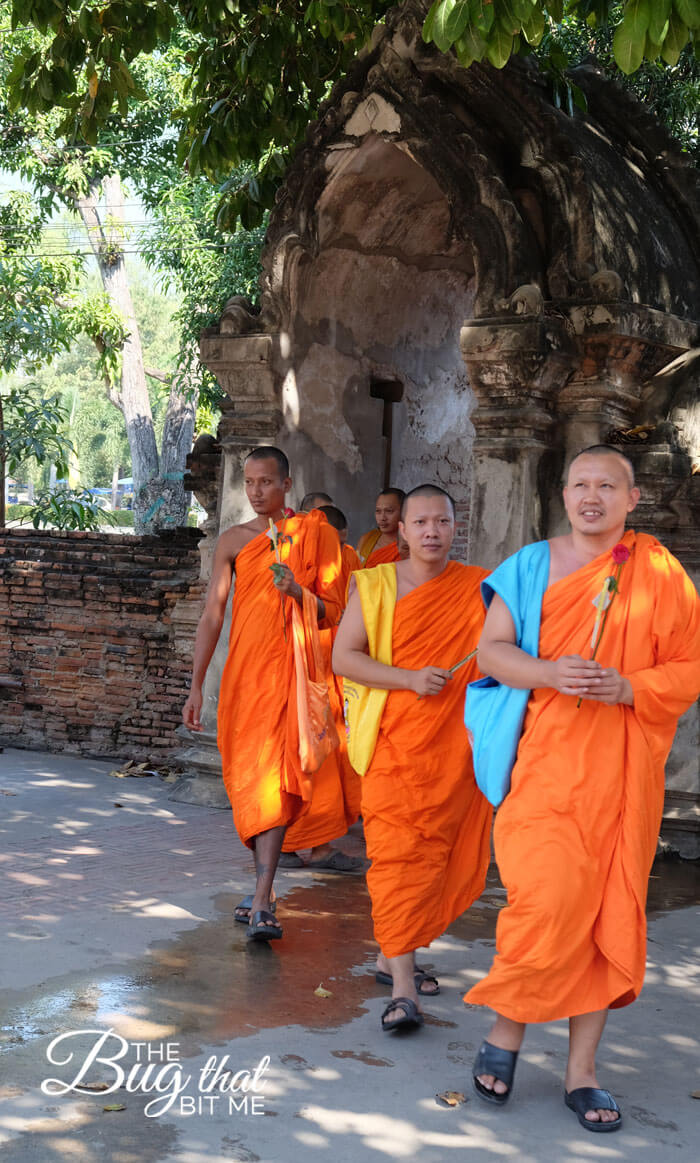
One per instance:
(576,836)
(258,733)
(426,823)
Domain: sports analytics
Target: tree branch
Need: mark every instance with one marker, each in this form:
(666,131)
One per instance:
(154,374)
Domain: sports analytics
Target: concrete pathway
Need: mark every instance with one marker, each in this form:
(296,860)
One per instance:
(116,914)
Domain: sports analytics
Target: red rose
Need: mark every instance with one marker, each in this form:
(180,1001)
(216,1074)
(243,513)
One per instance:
(620,553)
(290,513)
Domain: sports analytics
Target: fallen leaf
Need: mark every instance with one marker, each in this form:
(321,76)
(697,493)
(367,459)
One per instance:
(115,1106)
(321,992)
(8,793)
(450,1098)
(94,1086)
(695,1094)
(118,805)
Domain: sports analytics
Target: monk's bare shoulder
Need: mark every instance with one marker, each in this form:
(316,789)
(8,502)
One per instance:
(232,541)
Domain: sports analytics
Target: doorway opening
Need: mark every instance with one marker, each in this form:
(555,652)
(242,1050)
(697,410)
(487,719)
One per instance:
(391,392)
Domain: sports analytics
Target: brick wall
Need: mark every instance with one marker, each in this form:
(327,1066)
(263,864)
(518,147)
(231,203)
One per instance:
(460,545)
(89,626)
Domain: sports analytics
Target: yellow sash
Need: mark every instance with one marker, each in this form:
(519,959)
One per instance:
(364,706)
(367,543)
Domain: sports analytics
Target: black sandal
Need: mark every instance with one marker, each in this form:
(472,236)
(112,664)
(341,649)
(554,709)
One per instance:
(245,905)
(263,927)
(589,1098)
(419,976)
(501,1064)
(411,1020)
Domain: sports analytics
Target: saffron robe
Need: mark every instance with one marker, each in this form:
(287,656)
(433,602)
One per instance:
(350,562)
(335,803)
(369,556)
(258,733)
(576,836)
(426,823)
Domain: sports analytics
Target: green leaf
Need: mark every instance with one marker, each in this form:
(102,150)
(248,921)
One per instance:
(689,12)
(658,20)
(676,40)
(628,48)
(533,28)
(637,15)
(458,20)
(429,21)
(499,47)
(483,16)
(442,38)
(470,47)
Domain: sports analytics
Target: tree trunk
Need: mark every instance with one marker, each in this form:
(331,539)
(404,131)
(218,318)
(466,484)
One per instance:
(160,501)
(3,467)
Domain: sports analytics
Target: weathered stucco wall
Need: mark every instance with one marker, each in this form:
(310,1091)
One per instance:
(382,299)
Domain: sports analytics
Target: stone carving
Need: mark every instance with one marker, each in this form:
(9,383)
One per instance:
(526,300)
(607,286)
(238,317)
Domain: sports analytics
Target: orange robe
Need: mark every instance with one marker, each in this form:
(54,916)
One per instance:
(257,720)
(369,556)
(426,823)
(350,563)
(576,835)
(335,804)
(383,556)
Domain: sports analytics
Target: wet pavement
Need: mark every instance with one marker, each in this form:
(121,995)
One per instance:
(116,914)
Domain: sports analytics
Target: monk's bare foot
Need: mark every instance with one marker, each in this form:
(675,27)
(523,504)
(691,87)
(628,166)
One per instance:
(262,904)
(242,911)
(578,1078)
(322,852)
(506,1035)
(429,987)
(398,1014)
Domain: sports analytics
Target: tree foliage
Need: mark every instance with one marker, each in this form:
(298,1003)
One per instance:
(253,73)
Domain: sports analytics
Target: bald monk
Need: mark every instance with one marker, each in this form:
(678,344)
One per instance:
(426,823)
(576,835)
(314,501)
(258,728)
(335,804)
(381,544)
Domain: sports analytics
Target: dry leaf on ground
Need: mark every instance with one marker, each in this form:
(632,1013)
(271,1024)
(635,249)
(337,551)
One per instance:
(450,1098)
(115,1106)
(321,992)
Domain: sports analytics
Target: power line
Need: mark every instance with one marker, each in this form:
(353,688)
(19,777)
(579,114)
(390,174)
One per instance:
(125,250)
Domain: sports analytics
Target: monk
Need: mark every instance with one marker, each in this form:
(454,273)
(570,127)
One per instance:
(350,560)
(426,823)
(258,729)
(576,835)
(314,501)
(381,544)
(335,804)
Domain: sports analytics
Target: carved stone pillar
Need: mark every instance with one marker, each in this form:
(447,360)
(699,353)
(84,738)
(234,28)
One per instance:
(621,346)
(250,416)
(516,365)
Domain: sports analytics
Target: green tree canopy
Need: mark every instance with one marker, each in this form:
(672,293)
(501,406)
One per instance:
(253,73)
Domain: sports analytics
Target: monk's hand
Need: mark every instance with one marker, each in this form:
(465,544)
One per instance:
(573,675)
(283,579)
(429,681)
(192,711)
(612,688)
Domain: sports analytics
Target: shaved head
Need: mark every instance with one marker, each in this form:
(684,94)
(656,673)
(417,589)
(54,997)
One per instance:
(606,450)
(425,491)
(267,452)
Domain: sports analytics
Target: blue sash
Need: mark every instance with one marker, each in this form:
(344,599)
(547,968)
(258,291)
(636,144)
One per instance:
(494,713)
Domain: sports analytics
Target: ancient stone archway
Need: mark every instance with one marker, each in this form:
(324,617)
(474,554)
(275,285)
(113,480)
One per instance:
(434,210)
